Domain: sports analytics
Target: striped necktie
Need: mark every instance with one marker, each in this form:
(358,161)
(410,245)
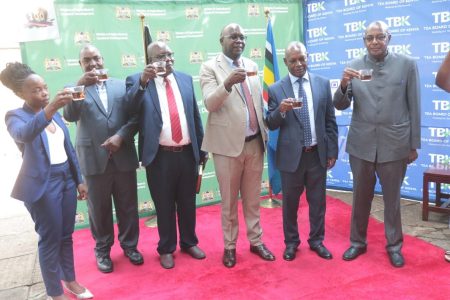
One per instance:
(304,115)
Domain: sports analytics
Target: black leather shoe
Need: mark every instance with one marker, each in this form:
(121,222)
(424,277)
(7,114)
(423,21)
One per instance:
(396,259)
(229,258)
(322,251)
(289,253)
(262,252)
(134,256)
(353,252)
(166,261)
(195,252)
(104,263)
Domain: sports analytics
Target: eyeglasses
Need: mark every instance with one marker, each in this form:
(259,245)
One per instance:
(379,38)
(164,56)
(235,37)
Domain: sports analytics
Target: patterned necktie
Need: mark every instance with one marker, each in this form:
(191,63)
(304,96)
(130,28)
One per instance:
(249,101)
(304,115)
(175,124)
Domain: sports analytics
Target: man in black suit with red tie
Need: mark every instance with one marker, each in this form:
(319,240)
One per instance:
(172,134)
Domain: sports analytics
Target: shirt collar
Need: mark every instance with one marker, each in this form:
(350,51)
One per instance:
(230,61)
(160,79)
(295,78)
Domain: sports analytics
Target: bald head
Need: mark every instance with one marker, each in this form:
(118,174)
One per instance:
(376,40)
(382,26)
(232,39)
(294,46)
(155,47)
(230,28)
(296,58)
(160,51)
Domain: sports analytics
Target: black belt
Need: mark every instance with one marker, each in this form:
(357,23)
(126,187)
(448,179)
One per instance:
(310,149)
(174,148)
(251,137)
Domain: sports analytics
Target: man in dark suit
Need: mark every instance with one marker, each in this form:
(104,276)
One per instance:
(108,160)
(307,146)
(172,133)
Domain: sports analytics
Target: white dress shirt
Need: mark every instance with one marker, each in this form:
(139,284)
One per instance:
(165,138)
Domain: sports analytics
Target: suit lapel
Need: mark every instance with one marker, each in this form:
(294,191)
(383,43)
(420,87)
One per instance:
(154,99)
(183,89)
(314,88)
(92,91)
(286,86)
(225,66)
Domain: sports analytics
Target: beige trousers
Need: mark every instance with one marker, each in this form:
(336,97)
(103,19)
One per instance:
(241,175)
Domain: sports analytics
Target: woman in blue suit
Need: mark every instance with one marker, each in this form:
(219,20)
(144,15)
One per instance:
(49,176)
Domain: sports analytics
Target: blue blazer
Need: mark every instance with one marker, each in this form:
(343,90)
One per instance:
(290,139)
(146,103)
(28,131)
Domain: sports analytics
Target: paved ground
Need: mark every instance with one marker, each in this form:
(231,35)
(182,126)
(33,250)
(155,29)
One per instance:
(20,276)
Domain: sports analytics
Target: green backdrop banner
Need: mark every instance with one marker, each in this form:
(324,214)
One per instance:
(191,28)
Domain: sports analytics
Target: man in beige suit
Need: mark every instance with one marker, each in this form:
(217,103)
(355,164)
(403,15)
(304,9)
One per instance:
(236,136)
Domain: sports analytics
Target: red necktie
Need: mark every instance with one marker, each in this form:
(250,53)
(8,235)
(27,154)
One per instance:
(249,102)
(175,124)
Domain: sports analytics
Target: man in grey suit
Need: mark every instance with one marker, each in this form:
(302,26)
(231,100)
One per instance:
(384,135)
(108,160)
(307,146)
(236,136)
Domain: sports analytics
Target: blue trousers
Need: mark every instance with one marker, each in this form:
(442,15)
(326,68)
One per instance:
(54,219)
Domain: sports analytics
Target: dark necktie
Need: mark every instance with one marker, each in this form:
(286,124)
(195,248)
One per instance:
(175,124)
(304,115)
(249,101)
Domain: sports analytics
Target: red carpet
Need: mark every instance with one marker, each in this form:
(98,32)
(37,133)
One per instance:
(425,276)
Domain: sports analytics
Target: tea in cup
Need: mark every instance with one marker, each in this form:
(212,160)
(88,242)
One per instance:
(77,92)
(365,74)
(252,71)
(102,74)
(297,102)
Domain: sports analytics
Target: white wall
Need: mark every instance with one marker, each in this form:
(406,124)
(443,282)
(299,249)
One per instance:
(10,158)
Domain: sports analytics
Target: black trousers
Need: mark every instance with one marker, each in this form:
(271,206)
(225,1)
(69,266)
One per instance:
(104,189)
(171,179)
(310,175)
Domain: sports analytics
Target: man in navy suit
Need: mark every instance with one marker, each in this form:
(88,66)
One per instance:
(307,146)
(171,135)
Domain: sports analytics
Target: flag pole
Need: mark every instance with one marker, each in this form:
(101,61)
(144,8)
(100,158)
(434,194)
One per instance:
(152,220)
(271,202)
